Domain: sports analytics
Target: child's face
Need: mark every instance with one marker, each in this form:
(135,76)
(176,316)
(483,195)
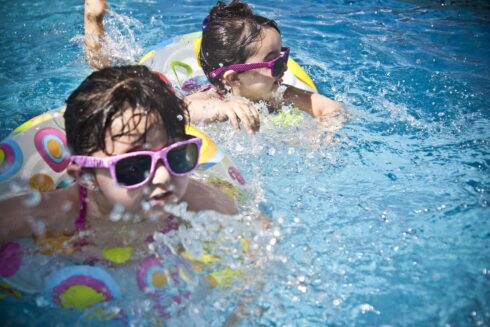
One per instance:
(258,84)
(161,188)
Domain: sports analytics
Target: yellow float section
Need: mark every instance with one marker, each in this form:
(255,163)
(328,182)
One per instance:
(293,66)
(80,297)
(36,121)
(223,277)
(208,147)
(118,254)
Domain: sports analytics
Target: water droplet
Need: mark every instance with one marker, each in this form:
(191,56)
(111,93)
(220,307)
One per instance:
(37,226)
(67,205)
(41,302)
(32,199)
(366,308)
(116,213)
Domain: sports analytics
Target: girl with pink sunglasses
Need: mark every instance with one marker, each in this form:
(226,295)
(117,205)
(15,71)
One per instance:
(125,128)
(242,56)
(244,59)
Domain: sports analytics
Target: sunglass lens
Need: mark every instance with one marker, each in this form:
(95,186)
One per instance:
(183,159)
(133,170)
(278,67)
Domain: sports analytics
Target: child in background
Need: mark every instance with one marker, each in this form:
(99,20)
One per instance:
(242,55)
(126,130)
(244,60)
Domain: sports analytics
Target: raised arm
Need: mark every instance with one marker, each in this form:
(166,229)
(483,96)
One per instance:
(94,33)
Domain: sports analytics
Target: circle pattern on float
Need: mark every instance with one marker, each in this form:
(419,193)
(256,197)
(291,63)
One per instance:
(11,159)
(81,287)
(151,275)
(51,145)
(42,182)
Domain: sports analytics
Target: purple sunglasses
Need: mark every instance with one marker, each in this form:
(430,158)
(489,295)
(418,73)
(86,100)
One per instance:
(132,170)
(277,65)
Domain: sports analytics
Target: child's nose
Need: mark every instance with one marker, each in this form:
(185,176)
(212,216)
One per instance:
(161,175)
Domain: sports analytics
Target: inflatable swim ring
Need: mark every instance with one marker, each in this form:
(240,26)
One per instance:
(168,280)
(177,57)
(35,157)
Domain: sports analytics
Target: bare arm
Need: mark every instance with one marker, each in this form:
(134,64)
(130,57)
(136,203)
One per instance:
(50,213)
(315,104)
(200,196)
(94,33)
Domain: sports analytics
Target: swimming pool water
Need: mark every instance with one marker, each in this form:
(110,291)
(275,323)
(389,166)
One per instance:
(387,225)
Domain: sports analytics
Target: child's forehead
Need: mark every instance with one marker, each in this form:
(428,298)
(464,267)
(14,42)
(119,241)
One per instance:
(134,120)
(269,41)
(135,126)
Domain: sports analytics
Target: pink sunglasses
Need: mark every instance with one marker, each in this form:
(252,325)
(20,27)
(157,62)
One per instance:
(277,65)
(132,170)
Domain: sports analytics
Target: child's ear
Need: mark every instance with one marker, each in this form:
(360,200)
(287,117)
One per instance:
(83,178)
(230,77)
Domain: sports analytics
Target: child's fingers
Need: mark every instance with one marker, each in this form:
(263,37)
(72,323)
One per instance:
(331,123)
(236,111)
(242,110)
(246,116)
(249,116)
(244,119)
(255,118)
(232,116)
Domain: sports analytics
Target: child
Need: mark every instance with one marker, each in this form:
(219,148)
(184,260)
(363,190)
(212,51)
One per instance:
(242,54)
(126,130)
(243,57)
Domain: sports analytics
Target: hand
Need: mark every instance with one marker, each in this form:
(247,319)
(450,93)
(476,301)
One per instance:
(329,124)
(238,110)
(95,9)
(332,122)
(96,56)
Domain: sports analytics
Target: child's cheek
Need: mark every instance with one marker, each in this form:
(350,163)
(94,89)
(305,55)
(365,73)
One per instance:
(180,186)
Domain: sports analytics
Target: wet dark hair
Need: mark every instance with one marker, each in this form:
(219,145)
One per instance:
(107,94)
(228,32)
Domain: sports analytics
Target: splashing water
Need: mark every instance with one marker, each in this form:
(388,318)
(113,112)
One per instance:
(119,42)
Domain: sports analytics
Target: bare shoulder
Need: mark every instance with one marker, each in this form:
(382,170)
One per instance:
(54,211)
(200,197)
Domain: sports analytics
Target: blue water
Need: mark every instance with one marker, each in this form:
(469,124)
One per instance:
(389,224)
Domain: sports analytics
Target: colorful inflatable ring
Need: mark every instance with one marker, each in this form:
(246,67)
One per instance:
(177,57)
